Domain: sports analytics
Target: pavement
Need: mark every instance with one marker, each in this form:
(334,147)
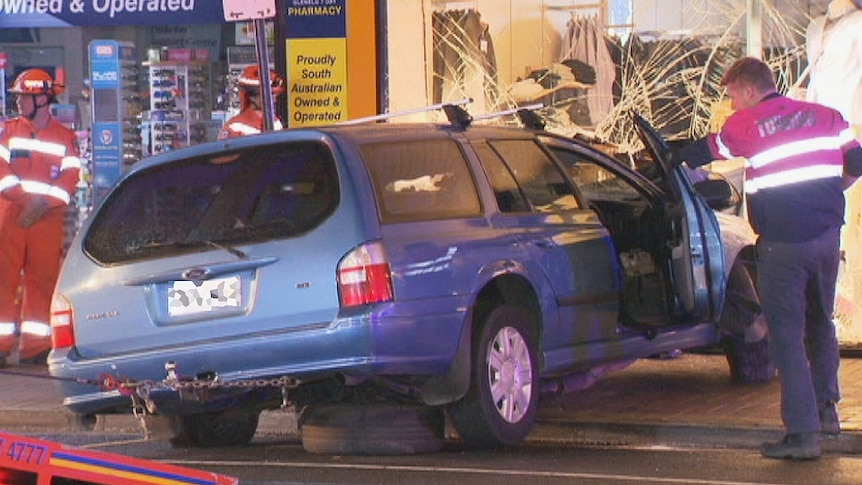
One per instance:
(687,401)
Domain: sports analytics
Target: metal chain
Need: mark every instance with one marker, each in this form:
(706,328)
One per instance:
(144,388)
(142,404)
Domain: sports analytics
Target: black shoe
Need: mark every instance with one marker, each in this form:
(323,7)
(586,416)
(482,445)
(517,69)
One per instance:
(829,423)
(3,362)
(796,446)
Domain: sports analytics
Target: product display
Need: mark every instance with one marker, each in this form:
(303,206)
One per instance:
(131,106)
(179,105)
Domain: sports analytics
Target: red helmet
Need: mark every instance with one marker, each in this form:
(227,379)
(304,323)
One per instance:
(250,79)
(36,81)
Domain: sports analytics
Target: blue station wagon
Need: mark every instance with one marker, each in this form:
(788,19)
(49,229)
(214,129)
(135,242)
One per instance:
(447,268)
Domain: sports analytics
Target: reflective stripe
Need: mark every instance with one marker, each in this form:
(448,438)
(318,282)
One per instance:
(792,176)
(41,188)
(5,154)
(822,143)
(722,148)
(39,329)
(7,329)
(35,145)
(70,162)
(243,129)
(794,148)
(9,181)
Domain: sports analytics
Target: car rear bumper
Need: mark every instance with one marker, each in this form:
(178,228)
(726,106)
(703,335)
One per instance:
(360,345)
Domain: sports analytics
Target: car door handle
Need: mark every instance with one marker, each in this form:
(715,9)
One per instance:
(544,243)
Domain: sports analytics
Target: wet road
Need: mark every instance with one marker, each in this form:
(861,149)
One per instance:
(281,460)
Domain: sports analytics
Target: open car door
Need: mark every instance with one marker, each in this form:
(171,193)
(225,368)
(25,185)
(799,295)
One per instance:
(694,239)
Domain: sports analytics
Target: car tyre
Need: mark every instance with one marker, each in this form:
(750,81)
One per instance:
(372,429)
(234,427)
(746,340)
(501,404)
(749,361)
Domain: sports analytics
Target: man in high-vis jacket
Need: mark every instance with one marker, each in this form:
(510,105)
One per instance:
(800,157)
(39,169)
(249,120)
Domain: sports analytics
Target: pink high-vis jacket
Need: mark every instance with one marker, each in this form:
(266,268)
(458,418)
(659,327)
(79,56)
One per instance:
(796,154)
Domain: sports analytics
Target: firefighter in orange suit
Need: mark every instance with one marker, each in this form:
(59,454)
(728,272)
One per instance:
(39,169)
(249,120)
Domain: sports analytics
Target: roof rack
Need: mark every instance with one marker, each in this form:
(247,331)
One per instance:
(446,107)
(526,114)
(459,117)
(531,120)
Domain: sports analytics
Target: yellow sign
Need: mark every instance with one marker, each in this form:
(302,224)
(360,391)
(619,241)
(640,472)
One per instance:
(317,81)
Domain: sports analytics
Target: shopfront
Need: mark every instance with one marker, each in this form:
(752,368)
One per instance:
(143,77)
(588,62)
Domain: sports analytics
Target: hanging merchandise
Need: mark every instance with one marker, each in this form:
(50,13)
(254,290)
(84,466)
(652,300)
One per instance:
(180,102)
(585,42)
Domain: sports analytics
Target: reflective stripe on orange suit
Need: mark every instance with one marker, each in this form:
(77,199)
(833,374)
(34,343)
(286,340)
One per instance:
(248,122)
(33,163)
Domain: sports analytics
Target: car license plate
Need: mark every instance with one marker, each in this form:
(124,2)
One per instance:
(192,297)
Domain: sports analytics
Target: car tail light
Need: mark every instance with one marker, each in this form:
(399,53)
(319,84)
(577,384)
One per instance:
(62,323)
(364,276)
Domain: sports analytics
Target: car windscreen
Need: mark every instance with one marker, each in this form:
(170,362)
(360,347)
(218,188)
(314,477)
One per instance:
(216,201)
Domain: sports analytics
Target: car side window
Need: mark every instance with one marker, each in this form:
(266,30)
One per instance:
(541,181)
(594,181)
(506,191)
(421,180)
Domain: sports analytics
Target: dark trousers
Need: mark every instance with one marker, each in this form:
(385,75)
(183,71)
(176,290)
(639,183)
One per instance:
(797,291)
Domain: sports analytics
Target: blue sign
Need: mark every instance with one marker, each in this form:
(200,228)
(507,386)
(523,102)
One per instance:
(107,158)
(316,19)
(85,13)
(106,72)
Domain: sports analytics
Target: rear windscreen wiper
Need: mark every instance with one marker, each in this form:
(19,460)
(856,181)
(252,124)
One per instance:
(189,244)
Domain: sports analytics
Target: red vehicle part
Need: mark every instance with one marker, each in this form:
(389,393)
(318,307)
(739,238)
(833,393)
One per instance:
(28,461)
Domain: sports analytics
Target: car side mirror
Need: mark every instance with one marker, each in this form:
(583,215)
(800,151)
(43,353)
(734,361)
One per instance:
(718,193)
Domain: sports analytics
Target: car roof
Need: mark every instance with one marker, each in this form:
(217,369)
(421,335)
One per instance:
(377,132)
(352,133)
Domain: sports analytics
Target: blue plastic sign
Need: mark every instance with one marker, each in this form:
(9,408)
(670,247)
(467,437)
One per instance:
(106,57)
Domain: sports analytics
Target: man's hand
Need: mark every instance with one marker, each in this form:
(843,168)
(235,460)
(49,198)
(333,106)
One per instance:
(33,211)
(674,157)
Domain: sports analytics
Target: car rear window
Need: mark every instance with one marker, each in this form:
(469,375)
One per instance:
(200,203)
(421,180)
